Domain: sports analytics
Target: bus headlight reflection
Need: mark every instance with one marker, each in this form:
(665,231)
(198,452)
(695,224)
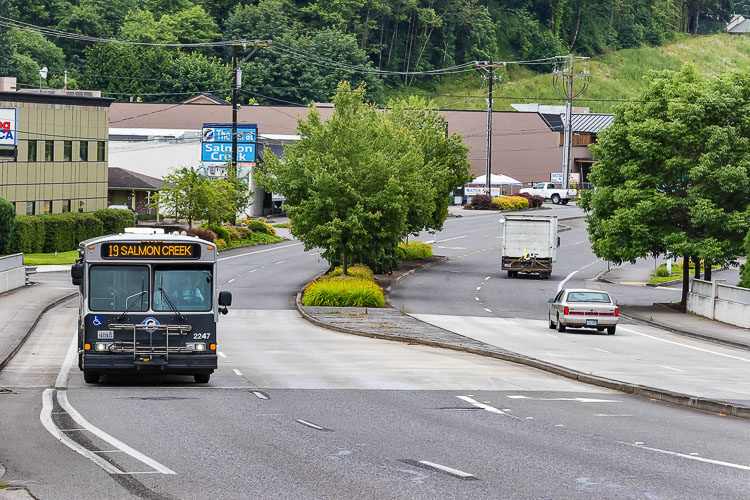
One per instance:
(196,346)
(102,346)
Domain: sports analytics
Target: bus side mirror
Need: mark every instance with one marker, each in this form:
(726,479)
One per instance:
(225,299)
(76,273)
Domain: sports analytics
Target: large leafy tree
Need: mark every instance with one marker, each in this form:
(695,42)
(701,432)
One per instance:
(673,172)
(355,185)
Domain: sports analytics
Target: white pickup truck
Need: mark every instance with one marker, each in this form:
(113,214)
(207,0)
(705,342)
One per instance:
(548,191)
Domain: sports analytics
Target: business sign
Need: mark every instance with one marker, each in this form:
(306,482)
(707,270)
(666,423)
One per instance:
(556,177)
(8,127)
(222,152)
(473,191)
(574,177)
(222,132)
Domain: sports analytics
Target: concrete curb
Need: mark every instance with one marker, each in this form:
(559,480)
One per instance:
(706,404)
(21,342)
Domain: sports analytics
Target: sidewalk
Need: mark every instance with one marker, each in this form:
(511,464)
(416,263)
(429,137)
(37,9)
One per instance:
(21,309)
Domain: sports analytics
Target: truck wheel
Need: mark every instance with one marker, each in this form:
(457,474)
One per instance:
(90,377)
(556,199)
(512,274)
(202,378)
(545,275)
(560,326)
(611,330)
(565,201)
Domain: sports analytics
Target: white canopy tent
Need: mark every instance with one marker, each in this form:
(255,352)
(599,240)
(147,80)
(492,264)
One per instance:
(497,180)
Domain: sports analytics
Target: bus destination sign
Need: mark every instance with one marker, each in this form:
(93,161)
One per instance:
(151,250)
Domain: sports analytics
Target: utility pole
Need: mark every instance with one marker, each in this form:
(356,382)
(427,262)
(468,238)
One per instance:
(489,67)
(563,78)
(236,84)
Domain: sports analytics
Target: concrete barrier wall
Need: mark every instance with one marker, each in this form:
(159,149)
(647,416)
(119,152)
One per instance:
(11,261)
(719,301)
(12,279)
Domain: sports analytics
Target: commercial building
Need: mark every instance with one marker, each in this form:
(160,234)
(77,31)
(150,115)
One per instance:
(53,155)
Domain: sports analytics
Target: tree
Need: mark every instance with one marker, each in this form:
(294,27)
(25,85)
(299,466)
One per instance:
(355,185)
(673,172)
(185,194)
(745,268)
(7,224)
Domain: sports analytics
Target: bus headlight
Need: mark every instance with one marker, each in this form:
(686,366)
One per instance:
(102,346)
(196,346)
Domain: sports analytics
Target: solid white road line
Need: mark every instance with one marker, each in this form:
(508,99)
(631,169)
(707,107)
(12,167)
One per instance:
(670,368)
(610,415)
(237,372)
(483,406)
(562,283)
(46,418)
(62,398)
(687,346)
(449,470)
(451,239)
(310,424)
(70,358)
(690,457)
(260,251)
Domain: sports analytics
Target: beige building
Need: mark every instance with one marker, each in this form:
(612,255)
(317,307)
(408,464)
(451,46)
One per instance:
(59,160)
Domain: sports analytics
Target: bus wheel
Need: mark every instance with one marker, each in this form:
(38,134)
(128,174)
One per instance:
(90,377)
(202,378)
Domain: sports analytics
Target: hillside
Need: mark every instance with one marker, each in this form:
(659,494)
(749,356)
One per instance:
(614,76)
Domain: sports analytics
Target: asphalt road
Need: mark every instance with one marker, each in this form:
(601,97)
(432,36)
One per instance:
(298,411)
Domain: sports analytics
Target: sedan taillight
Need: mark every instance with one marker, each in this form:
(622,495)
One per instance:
(617,311)
(565,311)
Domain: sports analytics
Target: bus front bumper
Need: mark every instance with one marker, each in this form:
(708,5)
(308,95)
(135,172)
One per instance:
(175,363)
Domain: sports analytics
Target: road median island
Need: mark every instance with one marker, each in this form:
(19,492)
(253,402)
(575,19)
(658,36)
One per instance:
(391,324)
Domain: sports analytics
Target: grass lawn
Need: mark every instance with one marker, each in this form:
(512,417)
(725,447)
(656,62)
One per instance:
(676,274)
(44,259)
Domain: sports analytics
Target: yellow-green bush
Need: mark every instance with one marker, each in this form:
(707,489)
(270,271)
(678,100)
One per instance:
(343,291)
(510,202)
(414,250)
(355,271)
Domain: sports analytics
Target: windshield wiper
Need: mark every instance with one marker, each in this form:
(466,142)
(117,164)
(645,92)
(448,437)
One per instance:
(130,307)
(165,295)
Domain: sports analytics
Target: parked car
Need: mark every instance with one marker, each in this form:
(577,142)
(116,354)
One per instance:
(548,191)
(582,308)
(125,207)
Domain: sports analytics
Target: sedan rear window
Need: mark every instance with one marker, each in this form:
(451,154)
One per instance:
(588,297)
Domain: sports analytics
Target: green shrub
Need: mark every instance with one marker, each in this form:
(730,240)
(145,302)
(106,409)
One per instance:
(115,221)
(7,224)
(59,233)
(220,231)
(662,271)
(221,243)
(414,250)
(261,227)
(482,202)
(343,292)
(359,271)
(87,226)
(745,268)
(510,202)
(29,234)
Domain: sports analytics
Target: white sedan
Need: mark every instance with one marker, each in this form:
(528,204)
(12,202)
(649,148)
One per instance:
(582,308)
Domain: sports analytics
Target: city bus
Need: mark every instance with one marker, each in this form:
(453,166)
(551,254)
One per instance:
(148,303)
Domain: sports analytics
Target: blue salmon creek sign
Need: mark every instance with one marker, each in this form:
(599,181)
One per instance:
(222,132)
(222,152)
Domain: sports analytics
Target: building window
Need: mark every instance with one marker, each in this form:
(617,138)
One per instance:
(31,154)
(66,206)
(30,207)
(84,151)
(49,150)
(68,151)
(101,148)
(48,207)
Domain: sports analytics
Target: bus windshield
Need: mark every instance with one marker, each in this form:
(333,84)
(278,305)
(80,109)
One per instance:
(117,288)
(189,288)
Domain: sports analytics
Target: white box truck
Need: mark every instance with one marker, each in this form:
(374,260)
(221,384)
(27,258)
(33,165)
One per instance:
(529,244)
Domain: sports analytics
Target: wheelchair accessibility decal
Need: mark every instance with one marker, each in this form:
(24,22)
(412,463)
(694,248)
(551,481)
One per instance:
(97,321)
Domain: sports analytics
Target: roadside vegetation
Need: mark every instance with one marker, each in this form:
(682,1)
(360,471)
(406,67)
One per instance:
(250,232)
(50,259)
(672,175)
(745,268)
(357,289)
(515,202)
